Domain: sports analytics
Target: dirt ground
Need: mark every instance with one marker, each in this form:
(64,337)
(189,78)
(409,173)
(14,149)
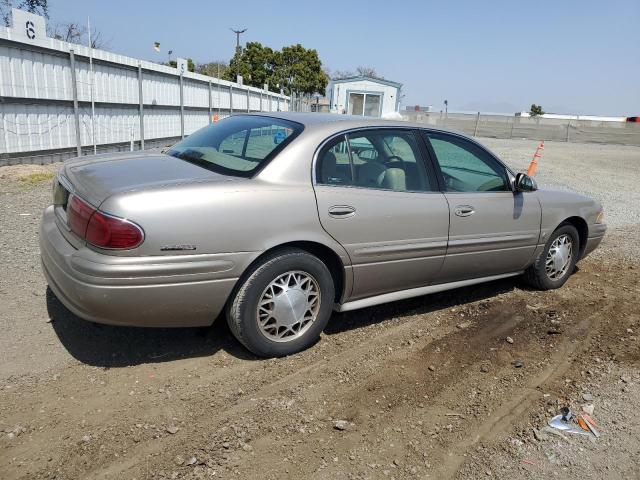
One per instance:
(430,387)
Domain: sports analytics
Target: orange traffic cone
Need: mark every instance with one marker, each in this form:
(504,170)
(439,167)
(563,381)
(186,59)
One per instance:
(534,161)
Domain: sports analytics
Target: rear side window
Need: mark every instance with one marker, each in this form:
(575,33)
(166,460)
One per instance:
(378,159)
(239,145)
(465,166)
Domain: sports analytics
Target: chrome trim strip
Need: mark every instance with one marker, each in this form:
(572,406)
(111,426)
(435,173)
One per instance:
(400,248)
(175,266)
(491,239)
(66,183)
(416,292)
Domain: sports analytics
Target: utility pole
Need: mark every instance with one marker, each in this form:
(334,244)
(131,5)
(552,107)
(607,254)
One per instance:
(238,32)
(91,83)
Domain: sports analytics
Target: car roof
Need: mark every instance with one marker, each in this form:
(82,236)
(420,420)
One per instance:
(338,122)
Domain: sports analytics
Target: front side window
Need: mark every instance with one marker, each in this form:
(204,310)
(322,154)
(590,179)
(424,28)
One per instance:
(465,166)
(378,159)
(239,145)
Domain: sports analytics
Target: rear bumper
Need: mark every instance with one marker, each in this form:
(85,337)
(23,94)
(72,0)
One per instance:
(159,291)
(596,234)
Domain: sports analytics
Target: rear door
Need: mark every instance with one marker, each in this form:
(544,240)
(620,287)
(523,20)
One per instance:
(493,229)
(380,200)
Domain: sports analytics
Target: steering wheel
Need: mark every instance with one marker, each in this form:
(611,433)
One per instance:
(449,181)
(495,184)
(394,159)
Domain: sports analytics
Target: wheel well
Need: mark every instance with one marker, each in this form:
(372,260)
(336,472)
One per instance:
(583,232)
(324,253)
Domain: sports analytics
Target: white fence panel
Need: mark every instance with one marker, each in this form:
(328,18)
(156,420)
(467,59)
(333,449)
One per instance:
(29,74)
(111,84)
(38,116)
(195,120)
(161,123)
(158,89)
(196,94)
(36,127)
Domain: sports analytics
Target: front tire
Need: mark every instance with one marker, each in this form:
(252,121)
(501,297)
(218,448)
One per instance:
(282,304)
(557,261)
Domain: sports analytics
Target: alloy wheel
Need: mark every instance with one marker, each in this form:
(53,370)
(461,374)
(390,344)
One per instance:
(288,306)
(559,257)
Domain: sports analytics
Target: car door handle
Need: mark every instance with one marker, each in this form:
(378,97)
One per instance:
(342,211)
(464,210)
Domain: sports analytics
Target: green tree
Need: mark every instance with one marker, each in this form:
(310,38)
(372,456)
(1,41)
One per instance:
(536,110)
(301,71)
(39,7)
(255,63)
(212,69)
(294,69)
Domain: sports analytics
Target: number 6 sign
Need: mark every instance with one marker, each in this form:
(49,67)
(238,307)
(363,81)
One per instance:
(31,29)
(27,27)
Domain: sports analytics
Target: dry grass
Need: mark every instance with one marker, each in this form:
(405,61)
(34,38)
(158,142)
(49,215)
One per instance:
(37,178)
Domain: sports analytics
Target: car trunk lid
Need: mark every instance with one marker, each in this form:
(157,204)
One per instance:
(97,178)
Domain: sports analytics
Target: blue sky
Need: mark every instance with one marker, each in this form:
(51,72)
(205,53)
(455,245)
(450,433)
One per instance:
(569,56)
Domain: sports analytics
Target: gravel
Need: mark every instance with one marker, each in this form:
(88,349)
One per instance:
(608,173)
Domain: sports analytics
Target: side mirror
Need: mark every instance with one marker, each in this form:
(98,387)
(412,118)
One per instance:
(524,183)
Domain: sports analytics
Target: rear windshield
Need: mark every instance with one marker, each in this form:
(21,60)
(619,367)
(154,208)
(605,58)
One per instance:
(239,145)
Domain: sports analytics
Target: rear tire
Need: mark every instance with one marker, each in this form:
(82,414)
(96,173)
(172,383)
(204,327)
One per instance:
(283,304)
(557,261)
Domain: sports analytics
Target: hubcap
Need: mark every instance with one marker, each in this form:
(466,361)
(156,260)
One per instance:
(288,306)
(559,257)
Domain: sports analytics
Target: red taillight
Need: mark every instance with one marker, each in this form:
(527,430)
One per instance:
(78,215)
(101,230)
(112,232)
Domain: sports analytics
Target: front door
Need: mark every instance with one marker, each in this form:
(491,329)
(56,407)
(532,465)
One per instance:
(493,230)
(380,200)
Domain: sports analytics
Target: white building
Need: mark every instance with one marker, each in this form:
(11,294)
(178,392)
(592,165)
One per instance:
(366,96)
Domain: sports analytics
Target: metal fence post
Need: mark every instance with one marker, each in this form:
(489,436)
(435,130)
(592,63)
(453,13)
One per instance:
(261,101)
(230,99)
(181,106)
(210,105)
(248,101)
(141,108)
(219,101)
(475,131)
(76,113)
(568,127)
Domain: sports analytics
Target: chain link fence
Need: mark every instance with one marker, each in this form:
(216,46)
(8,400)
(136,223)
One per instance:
(501,126)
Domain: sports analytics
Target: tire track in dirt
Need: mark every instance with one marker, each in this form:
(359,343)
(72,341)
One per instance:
(507,414)
(318,364)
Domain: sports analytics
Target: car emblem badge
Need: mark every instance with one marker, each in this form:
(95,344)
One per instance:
(171,248)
